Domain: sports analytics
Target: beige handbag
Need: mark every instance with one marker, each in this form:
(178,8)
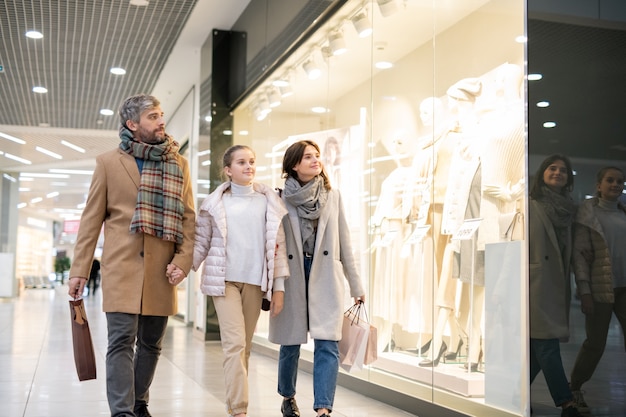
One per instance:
(512,226)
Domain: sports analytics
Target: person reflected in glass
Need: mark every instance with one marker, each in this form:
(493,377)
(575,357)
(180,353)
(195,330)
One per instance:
(240,239)
(320,262)
(600,271)
(551,213)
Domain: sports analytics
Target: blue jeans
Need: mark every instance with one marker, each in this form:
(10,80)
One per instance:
(325,370)
(129,368)
(325,365)
(545,355)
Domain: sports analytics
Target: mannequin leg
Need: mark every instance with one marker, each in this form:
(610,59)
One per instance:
(475,346)
(460,329)
(446,300)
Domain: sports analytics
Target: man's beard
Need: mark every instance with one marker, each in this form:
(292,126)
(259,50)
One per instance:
(152,138)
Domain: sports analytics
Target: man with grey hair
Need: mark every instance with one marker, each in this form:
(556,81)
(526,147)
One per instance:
(141,192)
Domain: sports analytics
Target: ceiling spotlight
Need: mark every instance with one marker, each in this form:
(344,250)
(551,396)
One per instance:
(543,104)
(34,34)
(383,65)
(274,97)
(139,2)
(106,112)
(285,91)
(534,77)
(387,7)
(281,82)
(362,25)
(312,70)
(118,71)
(40,90)
(549,125)
(337,43)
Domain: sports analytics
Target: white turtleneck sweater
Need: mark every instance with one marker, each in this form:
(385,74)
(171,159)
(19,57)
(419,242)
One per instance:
(245,243)
(613,221)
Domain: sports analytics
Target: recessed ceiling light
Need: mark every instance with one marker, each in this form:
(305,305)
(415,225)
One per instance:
(319,109)
(208,119)
(34,34)
(534,77)
(549,125)
(543,104)
(521,39)
(106,112)
(139,2)
(118,71)
(47,152)
(244,133)
(383,65)
(12,138)
(40,90)
(72,146)
(17,158)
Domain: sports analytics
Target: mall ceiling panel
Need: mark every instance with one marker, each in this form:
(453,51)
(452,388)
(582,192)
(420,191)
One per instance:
(82,40)
(583,71)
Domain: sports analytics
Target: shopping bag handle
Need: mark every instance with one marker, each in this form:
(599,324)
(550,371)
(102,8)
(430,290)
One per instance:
(355,310)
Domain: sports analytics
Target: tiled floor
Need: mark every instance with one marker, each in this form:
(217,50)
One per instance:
(38,377)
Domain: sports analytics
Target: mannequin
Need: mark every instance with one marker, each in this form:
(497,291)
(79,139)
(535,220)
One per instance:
(389,223)
(501,133)
(418,305)
(462,168)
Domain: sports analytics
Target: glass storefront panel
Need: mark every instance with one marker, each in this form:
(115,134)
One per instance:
(421,124)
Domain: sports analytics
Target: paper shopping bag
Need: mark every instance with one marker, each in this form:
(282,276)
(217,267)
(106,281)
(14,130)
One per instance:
(354,336)
(84,356)
(371,348)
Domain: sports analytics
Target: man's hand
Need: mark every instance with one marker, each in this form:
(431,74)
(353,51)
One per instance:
(76,285)
(174,274)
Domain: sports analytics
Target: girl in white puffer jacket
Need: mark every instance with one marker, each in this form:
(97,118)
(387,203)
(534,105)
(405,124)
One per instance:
(240,239)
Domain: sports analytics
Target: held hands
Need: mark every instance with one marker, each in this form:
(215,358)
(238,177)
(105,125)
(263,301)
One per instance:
(174,274)
(76,285)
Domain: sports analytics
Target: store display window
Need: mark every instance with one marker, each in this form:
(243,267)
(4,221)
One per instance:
(418,108)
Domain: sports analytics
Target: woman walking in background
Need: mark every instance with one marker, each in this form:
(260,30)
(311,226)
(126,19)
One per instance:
(600,269)
(551,212)
(240,239)
(320,261)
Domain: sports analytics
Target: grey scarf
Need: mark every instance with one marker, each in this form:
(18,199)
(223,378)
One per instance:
(308,199)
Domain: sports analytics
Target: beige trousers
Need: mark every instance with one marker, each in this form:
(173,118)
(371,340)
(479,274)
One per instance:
(237,314)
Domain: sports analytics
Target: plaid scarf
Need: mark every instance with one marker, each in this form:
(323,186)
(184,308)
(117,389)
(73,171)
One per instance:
(159,209)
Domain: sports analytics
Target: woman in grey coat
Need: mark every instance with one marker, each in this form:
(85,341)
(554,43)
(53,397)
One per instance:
(551,213)
(320,261)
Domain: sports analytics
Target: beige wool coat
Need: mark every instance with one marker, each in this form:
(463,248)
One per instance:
(133,266)
(333,266)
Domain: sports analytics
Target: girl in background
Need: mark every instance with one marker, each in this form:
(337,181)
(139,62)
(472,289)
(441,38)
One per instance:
(241,241)
(320,261)
(600,268)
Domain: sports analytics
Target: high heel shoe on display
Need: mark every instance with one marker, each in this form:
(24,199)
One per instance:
(435,362)
(473,366)
(450,356)
(424,348)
